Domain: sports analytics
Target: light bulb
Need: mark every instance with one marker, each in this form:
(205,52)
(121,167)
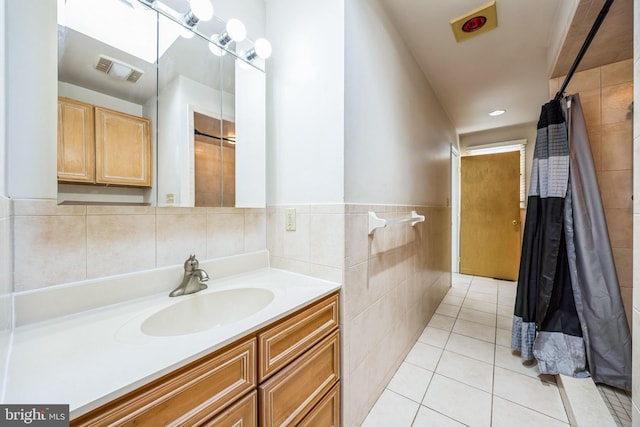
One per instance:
(215,49)
(202,9)
(236,30)
(263,48)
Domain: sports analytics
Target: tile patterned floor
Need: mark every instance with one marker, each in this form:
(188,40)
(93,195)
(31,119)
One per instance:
(619,404)
(462,372)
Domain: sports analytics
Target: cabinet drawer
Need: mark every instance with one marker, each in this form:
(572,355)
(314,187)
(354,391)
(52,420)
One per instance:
(327,412)
(289,395)
(185,396)
(244,413)
(287,340)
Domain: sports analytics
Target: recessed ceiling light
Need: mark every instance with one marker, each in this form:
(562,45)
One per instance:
(497,113)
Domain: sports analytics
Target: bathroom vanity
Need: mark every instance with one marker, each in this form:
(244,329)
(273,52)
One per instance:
(277,364)
(277,376)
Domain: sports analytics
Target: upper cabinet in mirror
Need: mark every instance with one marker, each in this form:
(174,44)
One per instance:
(171,79)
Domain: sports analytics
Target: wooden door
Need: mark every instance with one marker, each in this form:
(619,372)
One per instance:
(490,215)
(123,149)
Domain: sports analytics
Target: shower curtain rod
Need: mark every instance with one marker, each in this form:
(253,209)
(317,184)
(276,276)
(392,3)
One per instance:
(585,46)
(197,132)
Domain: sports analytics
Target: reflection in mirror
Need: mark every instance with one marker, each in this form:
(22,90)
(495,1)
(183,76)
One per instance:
(133,74)
(215,161)
(187,92)
(107,101)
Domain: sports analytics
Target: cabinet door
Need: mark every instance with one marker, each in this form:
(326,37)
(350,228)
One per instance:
(123,149)
(282,343)
(75,142)
(327,412)
(288,396)
(243,413)
(185,397)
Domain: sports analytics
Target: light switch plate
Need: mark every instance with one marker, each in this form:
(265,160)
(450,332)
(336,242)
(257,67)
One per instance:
(290,219)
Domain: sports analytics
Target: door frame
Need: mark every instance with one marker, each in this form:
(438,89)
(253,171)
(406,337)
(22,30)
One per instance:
(455,210)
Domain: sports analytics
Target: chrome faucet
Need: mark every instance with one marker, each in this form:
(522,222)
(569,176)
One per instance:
(192,279)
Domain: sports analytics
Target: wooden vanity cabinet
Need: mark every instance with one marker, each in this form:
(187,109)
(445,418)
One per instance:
(299,368)
(101,146)
(286,374)
(204,392)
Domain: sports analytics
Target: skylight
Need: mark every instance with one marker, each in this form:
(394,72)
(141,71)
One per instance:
(125,25)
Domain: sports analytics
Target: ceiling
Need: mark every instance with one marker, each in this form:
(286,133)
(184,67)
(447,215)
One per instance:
(508,67)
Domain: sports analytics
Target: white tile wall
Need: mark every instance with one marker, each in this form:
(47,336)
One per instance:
(392,283)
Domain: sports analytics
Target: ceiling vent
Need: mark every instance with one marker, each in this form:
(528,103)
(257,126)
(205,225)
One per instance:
(476,22)
(118,69)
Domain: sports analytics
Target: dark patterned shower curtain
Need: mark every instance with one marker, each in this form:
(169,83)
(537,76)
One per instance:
(568,313)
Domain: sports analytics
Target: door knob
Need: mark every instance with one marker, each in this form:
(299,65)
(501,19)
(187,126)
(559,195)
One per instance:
(514,222)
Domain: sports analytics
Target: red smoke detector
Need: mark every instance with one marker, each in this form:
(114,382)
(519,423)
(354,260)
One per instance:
(474,24)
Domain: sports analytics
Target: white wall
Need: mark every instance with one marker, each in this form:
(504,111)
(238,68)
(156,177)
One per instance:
(397,137)
(6,285)
(305,102)
(31,106)
(3,125)
(179,99)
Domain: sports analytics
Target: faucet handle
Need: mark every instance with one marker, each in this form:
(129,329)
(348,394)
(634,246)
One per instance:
(191,263)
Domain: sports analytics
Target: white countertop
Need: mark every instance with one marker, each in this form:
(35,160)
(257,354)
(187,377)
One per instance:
(89,358)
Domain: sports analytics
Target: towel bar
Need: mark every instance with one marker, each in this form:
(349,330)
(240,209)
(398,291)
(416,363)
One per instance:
(376,222)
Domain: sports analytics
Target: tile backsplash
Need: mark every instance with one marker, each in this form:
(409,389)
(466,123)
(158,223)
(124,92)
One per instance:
(60,244)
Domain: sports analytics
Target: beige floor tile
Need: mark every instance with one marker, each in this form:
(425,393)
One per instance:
(410,381)
(442,322)
(448,310)
(505,310)
(507,360)
(424,355)
(457,292)
(466,370)
(452,300)
(507,301)
(505,412)
(475,330)
(503,338)
(487,307)
(461,279)
(429,418)
(530,392)
(461,402)
(391,409)
(481,317)
(481,296)
(471,347)
(505,322)
(434,336)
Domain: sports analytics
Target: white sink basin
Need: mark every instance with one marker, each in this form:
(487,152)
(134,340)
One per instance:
(200,312)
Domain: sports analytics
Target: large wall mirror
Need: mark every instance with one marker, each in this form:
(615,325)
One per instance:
(160,103)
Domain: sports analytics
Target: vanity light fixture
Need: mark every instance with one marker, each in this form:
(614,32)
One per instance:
(214,48)
(495,113)
(261,49)
(200,10)
(235,31)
